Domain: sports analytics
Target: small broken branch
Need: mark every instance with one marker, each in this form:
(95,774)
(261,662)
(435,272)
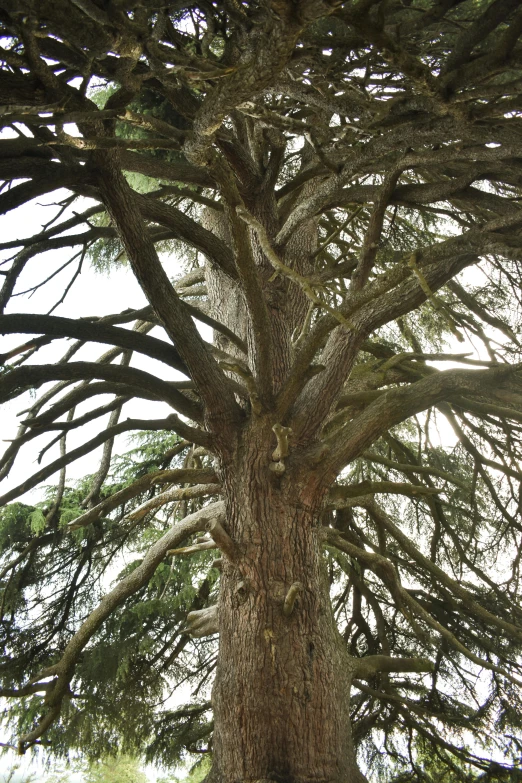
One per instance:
(204,622)
(190,550)
(223,540)
(291,598)
(281,451)
(282,434)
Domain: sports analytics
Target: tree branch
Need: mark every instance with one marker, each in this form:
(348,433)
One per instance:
(370,665)
(406,603)
(64,669)
(398,405)
(26,323)
(172,495)
(170,423)
(122,205)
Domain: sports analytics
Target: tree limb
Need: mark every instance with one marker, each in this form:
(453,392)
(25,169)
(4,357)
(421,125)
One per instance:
(64,669)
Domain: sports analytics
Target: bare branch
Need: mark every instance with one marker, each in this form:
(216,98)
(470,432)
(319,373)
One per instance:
(368,667)
(176,476)
(14,382)
(26,323)
(399,404)
(171,495)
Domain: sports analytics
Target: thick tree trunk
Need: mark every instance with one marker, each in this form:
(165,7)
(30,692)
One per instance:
(281,696)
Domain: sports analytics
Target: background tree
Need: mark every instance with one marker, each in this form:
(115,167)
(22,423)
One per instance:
(343,179)
(117,769)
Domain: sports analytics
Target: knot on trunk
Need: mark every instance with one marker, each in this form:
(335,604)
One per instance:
(281,450)
(241,592)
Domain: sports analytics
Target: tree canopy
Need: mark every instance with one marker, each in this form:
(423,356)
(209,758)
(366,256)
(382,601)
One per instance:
(335,189)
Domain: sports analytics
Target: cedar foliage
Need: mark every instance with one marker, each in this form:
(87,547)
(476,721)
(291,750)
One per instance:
(388,134)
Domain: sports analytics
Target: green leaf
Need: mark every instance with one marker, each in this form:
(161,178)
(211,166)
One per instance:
(37,521)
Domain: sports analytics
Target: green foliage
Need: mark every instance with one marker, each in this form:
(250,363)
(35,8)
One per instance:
(37,521)
(122,769)
(195,773)
(107,252)
(14,525)
(148,453)
(141,648)
(101,92)
(442,767)
(112,769)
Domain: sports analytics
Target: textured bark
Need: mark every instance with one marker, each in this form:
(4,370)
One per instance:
(282,692)
(225,298)
(281,696)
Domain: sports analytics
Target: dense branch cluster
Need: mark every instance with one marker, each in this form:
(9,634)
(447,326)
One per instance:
(350,173)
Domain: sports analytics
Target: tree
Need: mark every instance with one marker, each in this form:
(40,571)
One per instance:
(118,769)
(343,179)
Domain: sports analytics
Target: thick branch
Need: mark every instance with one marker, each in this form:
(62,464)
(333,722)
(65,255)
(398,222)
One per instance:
(121,203)
(15,382)
(170,423)
(370,665)
(398,405)
(26,323)
(64,669)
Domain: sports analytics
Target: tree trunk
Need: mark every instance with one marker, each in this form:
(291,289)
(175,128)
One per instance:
(281,695)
